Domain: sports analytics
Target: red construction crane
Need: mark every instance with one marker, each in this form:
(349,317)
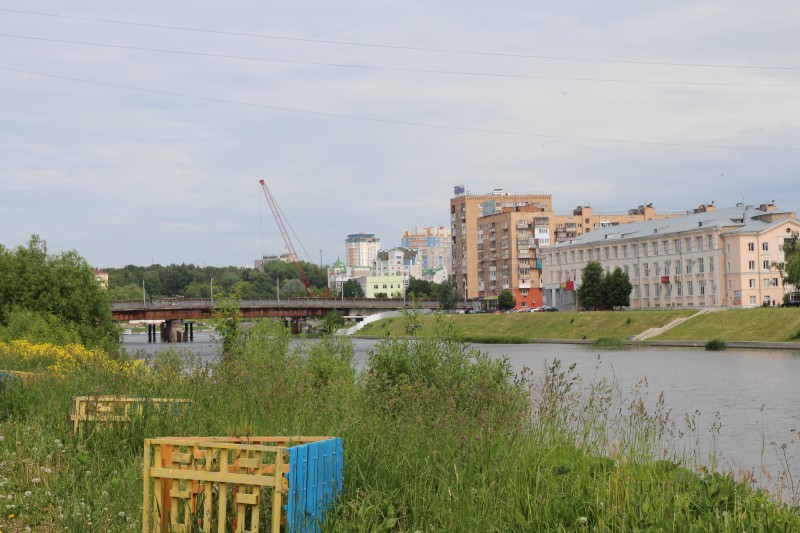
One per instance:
(276,212)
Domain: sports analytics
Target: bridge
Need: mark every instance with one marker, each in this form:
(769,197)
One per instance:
(177,313)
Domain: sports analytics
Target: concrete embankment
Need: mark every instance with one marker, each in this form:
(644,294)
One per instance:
(744,345)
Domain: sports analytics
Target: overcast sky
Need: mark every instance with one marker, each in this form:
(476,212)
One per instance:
(363,116)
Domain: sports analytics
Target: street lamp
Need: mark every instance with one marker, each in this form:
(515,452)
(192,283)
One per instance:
(212,291)
(144,304)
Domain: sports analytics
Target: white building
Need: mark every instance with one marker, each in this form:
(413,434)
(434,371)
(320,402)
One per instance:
(398,262)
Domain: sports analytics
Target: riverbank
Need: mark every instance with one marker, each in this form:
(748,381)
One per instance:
(435,438)
(759,328)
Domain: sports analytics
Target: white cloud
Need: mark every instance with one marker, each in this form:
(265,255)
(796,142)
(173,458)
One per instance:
(127,176)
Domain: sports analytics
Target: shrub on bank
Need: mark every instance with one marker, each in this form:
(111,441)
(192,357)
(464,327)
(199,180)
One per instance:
(716,345)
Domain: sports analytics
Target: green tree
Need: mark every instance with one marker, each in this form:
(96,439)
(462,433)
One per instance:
(331,323)
(353,289)
(590,291)
(506,301)
(446,294)
(420,288)
(228,326)
(790,268)
(616,289)
(293,288)
(61,288)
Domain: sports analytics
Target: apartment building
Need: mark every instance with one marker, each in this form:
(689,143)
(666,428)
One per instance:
(584,220)
(465,211)
(398,261)
(498,240)
(707,258)
(434,245)
(361,249)
(509,253)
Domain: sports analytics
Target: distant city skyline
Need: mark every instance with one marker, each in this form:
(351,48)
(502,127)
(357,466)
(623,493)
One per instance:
(136,132)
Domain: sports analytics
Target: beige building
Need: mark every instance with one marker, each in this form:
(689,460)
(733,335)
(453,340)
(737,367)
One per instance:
(499,239)
(361,249)
(707,258)
(435,247)
(465,210)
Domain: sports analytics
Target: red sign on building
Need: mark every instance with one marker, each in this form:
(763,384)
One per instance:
(664,279)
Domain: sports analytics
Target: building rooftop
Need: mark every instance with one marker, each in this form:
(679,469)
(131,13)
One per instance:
(739,219)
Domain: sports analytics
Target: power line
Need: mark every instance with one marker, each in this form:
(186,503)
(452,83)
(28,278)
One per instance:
(396,69)
(399,122)
(401,47)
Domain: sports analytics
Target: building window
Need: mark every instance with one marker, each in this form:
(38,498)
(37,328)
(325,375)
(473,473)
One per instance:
(766,283)
(765,246)
(657,268)
(647,291)
(690,288)
(752,283)
(699,241)
(688,243)
(655,248)
(702,288)
(679,288)
(752,300)
(774,282)
(751,265)
(701,265)
(678,267)
(751,247)
(765,264)
(689,266)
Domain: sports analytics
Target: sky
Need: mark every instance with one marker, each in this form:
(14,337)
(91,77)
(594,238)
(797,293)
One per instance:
(137,132)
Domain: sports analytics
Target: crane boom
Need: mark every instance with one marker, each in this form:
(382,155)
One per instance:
(273,206)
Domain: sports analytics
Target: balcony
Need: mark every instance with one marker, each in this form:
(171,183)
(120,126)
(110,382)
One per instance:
(525,284)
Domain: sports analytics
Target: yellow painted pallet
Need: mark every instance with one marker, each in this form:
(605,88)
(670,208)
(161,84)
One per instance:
(106,409)
(236,484)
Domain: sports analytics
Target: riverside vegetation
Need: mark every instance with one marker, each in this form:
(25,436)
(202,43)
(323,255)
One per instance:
(758,324)
(437,437)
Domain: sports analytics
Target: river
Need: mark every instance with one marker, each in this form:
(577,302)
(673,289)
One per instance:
(753,394)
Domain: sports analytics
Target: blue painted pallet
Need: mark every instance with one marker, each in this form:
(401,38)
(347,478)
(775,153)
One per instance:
(315,483)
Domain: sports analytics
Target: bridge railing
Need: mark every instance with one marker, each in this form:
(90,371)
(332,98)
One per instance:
(301,302)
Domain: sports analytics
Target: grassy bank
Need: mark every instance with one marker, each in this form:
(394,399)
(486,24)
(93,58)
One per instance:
(563,325)
(436,437)
(758,324)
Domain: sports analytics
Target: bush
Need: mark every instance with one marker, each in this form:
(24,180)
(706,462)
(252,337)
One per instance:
(609,342)
(716,345)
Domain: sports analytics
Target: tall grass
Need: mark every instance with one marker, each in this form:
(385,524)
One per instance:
(437,437)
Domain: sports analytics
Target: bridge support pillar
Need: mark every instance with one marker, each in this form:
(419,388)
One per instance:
(188,331)
(171,330)
(151,333)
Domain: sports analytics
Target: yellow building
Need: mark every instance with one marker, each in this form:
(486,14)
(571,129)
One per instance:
(391,286)
(707,258)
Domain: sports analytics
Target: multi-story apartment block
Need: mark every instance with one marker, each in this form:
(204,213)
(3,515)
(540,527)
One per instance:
(708,258)
(361,249)
(434,245)
(398,262)
(584,220)
(465,210)
(509,249)
(498,240)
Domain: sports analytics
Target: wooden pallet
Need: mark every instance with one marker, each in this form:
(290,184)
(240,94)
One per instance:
(119,409)
(235,484)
